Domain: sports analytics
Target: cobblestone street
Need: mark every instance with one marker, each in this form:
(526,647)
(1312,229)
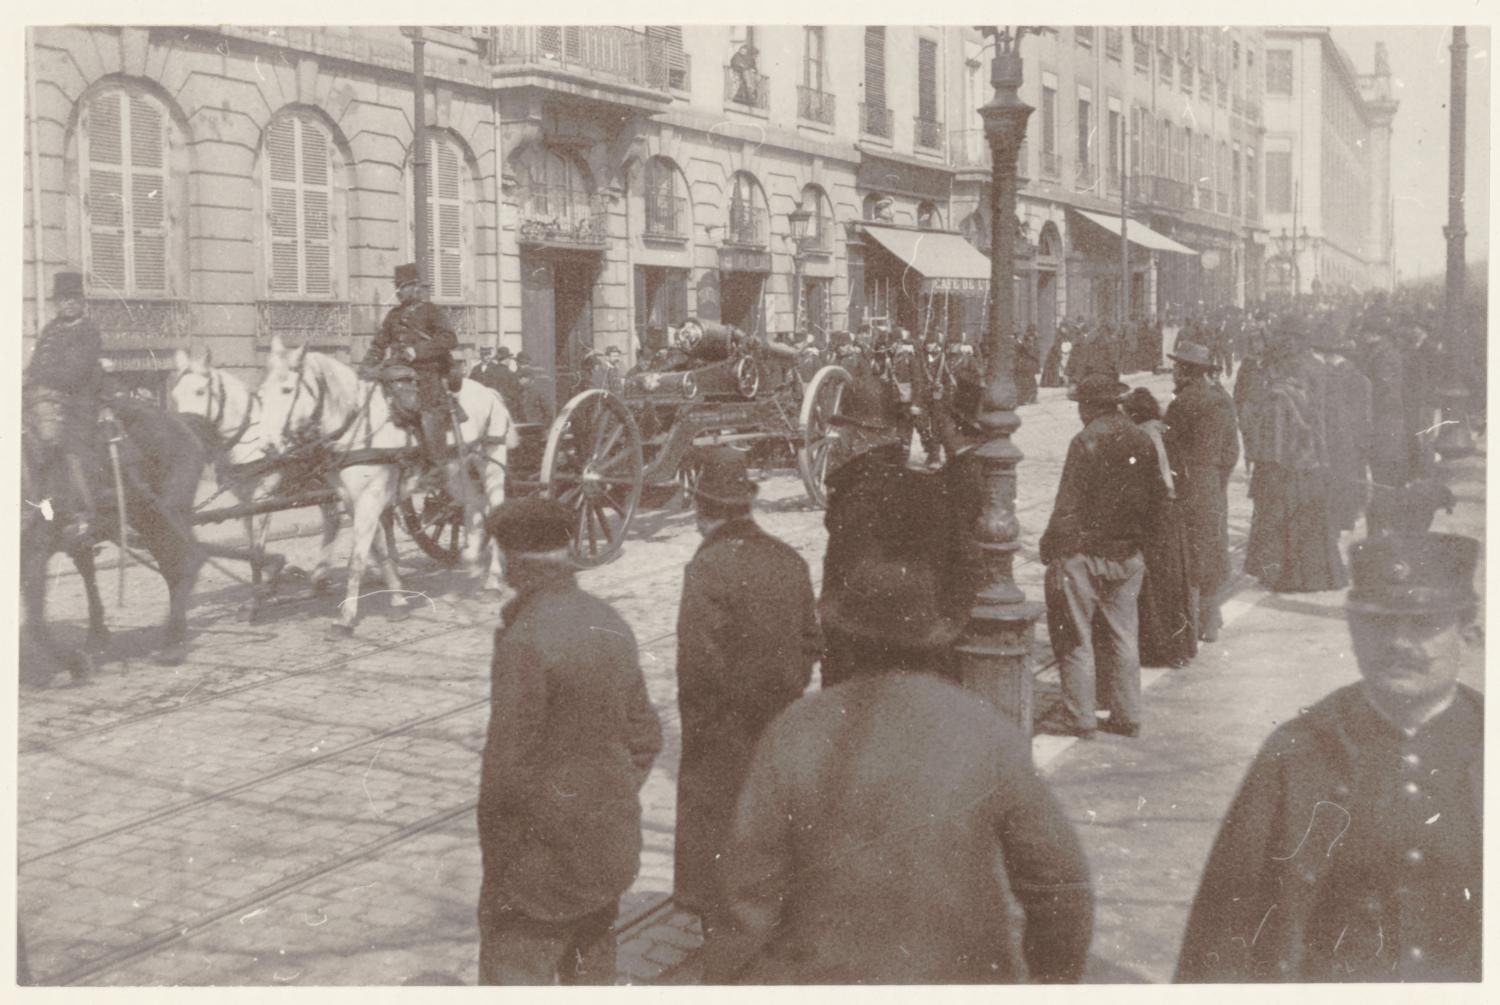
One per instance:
(289,809)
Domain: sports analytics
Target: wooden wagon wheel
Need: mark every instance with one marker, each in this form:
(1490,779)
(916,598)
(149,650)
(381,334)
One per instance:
(593,464)
(824,445)
(747,377)
(435,520)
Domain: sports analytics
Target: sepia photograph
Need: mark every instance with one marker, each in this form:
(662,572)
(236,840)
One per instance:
(767,504)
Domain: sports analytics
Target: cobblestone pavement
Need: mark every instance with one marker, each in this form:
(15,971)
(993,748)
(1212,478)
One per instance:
(290,809)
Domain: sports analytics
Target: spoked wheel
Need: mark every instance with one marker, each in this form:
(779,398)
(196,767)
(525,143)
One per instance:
(435,520)
(688,473)
(824,445)
(593,465)
(747,377)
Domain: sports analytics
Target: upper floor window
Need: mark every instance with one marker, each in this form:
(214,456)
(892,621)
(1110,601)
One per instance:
(814,58)
(124,140)
(1278,71)
(298,176)
(448,218)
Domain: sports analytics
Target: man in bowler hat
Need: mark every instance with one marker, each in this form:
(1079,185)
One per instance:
(416,333)
(63,382)
(571,739)
(874,813)
(747,638)
(1107,504)
(1353,850)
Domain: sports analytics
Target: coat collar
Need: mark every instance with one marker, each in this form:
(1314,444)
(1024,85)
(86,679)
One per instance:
(737,529)
(562,581)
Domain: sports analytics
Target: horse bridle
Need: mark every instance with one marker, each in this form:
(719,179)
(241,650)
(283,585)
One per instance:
(216,382)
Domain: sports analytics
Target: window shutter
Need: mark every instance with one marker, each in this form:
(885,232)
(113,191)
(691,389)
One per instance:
(671,36)
(284,225)
(299,197)
(105,206)
(317,244)
(449,281)
(124,159)
(875,67)
(927,56)
(148,200)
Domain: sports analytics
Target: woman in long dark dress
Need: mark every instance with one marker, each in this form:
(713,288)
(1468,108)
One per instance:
(1168,636)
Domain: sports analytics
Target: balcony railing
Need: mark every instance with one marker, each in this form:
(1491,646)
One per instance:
(875,121)
(814,105)
(666,215)
(969,148)
(1159,191)
(1051,164)
(745,226)
(554,214)
(611,51)
(746,87)
(927,133)
(1085,176)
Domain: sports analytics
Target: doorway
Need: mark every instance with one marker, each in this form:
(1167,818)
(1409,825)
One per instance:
(557,318)
(741,303)
(1046,309)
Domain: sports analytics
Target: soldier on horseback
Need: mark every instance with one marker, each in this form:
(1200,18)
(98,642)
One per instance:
(63,385)
(412,356)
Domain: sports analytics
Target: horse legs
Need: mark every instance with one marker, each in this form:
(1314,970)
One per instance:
(34,595)
(367,505)
(83,560)
(325,553)
(180,559)
(385,550)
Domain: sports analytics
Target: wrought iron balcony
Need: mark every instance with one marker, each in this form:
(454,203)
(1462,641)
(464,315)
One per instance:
(875,121)
(746,226)
(814,105)
(611,52)
(746,87)
(666,215)
(558,216)
(927,133)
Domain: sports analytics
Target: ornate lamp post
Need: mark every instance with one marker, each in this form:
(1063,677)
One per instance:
(1453,438)
(798,219)
(419,149)
(996,648)
(1288,248)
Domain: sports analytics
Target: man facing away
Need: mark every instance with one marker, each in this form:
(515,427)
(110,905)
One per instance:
(1353,850)
(747,636)
(876,813)
(1107,503)
(571,739)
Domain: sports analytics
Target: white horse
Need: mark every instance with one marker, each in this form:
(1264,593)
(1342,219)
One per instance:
(310,395)
(233,415)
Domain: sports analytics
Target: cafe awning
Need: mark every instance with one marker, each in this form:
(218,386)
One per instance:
(946,261)
(1138,233)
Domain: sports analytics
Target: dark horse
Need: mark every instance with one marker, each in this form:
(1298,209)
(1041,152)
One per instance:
(162,461)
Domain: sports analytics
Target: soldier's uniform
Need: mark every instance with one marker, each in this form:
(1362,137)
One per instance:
(63,382)
(416,334)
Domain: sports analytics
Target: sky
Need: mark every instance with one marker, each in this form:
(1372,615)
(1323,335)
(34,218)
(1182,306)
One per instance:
(1419,143)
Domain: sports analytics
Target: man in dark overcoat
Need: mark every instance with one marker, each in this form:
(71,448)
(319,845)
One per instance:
(1390,458)
(1353,850)
(494,372)
(1108,501)
(1347,425)
(416,333)
(62,386)
(1203,444)
(866,840)
(747,638)
(571,739)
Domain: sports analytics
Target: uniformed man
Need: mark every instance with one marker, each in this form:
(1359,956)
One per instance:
(1353,851)
(416,333)
(63,382)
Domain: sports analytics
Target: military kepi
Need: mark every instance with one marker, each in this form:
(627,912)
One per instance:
(1413,574)
(406,274)
(531,525)
(67,284)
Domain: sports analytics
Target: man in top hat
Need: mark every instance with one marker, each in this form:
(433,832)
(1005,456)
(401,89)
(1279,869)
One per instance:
(1203,445)
(1107,504)
(416,333)
(571,739)
(494,372)
(1353,850)
(63,382)
(873,814)
(747,638)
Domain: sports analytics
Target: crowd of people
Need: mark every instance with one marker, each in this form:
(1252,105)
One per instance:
(847,834)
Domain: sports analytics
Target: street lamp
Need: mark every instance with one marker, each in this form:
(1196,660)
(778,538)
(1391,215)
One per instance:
(798,219)
(1288,246)
(419,149)
(1453,438)
(996,646)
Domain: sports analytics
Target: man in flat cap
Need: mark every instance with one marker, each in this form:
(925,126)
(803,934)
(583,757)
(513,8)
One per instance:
(747,638)
(571,739)
(1353,850)
(62,384)
(874,813)
(416,333)
(1107,504)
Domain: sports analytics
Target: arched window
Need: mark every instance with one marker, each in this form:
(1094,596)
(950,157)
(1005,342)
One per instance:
(557,203)
(449,218)
(666,210)
(298,174)
(928,216)
(1049,243)
(746,212)
(879,208)
(124,153)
